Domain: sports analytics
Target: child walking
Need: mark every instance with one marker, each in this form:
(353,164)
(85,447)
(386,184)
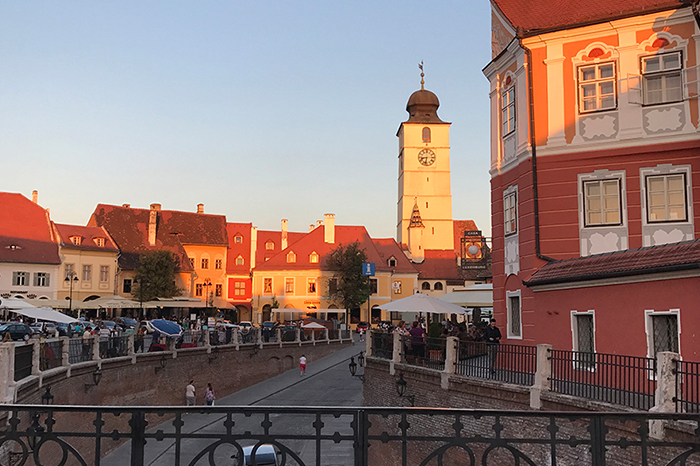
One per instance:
(302,365)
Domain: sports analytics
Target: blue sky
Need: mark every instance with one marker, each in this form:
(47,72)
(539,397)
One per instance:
(260,110)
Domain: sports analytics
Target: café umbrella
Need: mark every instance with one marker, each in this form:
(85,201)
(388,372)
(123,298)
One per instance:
(166,327)
(423,303)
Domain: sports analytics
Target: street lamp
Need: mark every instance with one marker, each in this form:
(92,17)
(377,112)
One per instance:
(401,390)
(361,358)
(96,377)
(353,369)
(71,277)
(207,284)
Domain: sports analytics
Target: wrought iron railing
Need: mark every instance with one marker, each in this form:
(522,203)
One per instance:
(114,346)
(23,361)
(79,350)
(382,344)
(31,434)
(508,363)
(50,354)
(687,387)
(612,378)
(430,352)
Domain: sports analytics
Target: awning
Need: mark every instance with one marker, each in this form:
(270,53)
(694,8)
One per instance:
(423,303)
(107,302)
(44,313)
(178,301)
(15,303)
(54,303)
(309,311)
(313,325)
(471,296)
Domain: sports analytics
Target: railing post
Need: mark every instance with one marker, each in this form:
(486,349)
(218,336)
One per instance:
(36,357)
(237,338)
(451,352)
(259,336)
(138,433)
(207,336)
(395,353)
(313,337)
(96,347)
(297,335)
(665,395)
(130,345)
(598,431)
(7,372)
(278,332)
(543,375)
(65,351)
(369,343)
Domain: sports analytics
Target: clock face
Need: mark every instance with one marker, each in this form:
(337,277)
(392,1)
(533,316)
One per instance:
(426,157)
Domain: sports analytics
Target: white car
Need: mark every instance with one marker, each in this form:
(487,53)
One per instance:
(245,326)
(264,455)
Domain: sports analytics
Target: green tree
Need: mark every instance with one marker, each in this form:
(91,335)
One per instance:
(155,277)
(352,288)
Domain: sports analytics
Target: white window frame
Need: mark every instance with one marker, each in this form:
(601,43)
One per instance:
(87,273)
(239,288)
(597,81)
(309,283)
(648,327)
(20,278)
(240,260)
(663,73)
(602,198)
(41,279)
(265,291)
(508,110)
(104,273)
(509,295)
(575,341)
(291,257)
(314,258)
(510,213)
(287,289)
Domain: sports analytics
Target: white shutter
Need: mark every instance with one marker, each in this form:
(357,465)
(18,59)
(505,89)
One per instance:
(691,82)
(634,89)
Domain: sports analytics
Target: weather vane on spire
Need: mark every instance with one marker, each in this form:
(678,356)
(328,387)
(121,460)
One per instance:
(422,83)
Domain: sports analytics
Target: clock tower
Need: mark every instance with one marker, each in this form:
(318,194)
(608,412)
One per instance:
(424,178)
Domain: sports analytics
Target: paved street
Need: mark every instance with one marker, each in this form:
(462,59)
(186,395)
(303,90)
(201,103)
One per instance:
(327,383)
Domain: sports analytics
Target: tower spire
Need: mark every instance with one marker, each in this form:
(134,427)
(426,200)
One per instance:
(422,83)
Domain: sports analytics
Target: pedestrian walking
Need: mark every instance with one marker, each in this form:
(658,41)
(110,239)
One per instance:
(492,337)
(362,334)
(302,365)
(190,397)
(87,336)
(209,395)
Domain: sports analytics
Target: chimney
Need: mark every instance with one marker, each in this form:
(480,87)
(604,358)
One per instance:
(200,208)
(284,233)
(319,223)
(152,223)
(312,227)
(126,206)
(253,246)
(35,196)
(329,228)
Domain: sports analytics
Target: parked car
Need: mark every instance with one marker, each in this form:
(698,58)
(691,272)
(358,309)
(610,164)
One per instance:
(46,329)
(245,326)
(264,455)
(362,326)
(17,331)
(126,322)
(65,330)
(289,333)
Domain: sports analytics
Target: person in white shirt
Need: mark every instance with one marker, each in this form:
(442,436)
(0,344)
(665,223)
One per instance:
(302,365)
(190,397)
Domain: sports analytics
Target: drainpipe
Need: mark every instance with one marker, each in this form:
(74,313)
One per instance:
(533,145)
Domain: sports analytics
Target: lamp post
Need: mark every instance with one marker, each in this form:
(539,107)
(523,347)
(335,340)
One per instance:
(401,390)
(207,284)
(353,369)
(71,277)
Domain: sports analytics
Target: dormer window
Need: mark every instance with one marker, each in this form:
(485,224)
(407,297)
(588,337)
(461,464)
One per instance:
(269,246)
(238,239)
(100,242)
(391,262)
(240,260)
(313,258)
(76,240)
(291,257)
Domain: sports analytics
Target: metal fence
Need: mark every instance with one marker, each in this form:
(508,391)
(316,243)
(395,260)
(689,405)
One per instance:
(50,354)
(687,387)
(23,361)
(429,353)
(79,350)
(113,347)
(612,378)
(191,339)
(337,435)
(382,345)
(508,363)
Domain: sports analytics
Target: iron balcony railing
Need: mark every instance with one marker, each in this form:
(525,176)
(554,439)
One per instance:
(50,354)
(687,386)
(382,345)
(611,378)
(218,435)
(79,350)
(114,346)
(508,363)
(426,352)
(23,361)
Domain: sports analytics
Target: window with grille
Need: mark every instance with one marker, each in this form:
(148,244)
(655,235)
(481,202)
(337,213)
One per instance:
(662,78)
(269,246)
(514,329)
(510,212)
(205,263)
(240,260)
(239,289)
(584,344)
(313,258)
(219,264)
(219,290)
(666,200)
(438,286)
(596,87)
(602,202)
(508,111)
(426,134)
(664,333)
(69,270)
(198,289)
(238,239)
(291,257)
(425,286)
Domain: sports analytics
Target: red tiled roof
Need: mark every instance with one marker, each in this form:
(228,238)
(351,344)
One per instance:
(459,227)
(25,232)
(88,236)
(129,229)
(314,242)
(264,236)
(388,248)
(654,259)
(537,15)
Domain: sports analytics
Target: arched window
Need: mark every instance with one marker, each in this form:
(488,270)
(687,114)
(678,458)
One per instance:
(425,286)
(313,258)
(291,257)
(269,246)
(426,134)
(438,286)
(240,260)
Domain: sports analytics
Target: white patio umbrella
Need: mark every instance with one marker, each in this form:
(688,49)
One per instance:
(423,303)
(313,325)
(15,303)
(113,302)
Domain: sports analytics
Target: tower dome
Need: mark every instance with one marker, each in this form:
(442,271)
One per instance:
(422,107)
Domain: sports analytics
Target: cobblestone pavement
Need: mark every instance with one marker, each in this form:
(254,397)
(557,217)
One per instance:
(327,383)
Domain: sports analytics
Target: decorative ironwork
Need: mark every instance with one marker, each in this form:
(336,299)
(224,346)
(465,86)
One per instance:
(508,363)
(359,436)
(687,387)
(382,344)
